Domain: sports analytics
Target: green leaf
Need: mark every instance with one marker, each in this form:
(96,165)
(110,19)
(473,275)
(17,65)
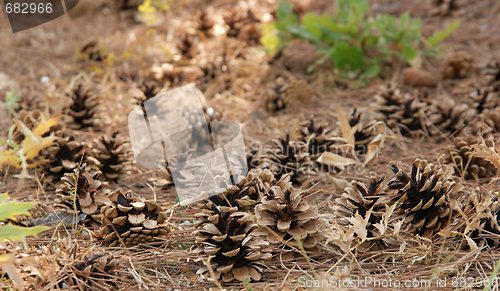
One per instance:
(12,100)
(372,70)
(346,57)
(11,232)
(440,35)
(408,53)
(9,210)
(270,39)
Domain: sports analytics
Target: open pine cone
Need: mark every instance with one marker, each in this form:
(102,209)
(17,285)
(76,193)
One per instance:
(228,236)
(131,221)
(423,196)
(363,199)
(443,7)
(403,112)
(446,116)
(286,156)
(457,65)
(468,165)
(82,111)
(484,100)
(81,193)
(110,155)
(317,136)
(483,213)
(63,156)
(284,216)
(365,131)
(245,194)
(492,75)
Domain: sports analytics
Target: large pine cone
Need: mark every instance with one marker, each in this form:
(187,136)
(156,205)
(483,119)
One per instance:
(317,136)
(483,214)
(228,236)
(82,193)
(423,196)
(131,221)
(446,116)
(82,111)
(402,112)
(468,165)
(285,216)
(63,156)
(363,199)
(484,100)
(110,155)
(286,156)
(247,192)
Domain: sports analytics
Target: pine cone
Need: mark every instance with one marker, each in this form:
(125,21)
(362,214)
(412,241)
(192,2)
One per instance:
(466,164)
(365,131)
(284,216)
(457,66)
(423,196)
(148,89)
(492,75)
(92,51)
(446,116)
(75,269)
(242,24)
(63,155)
(82,111)
(486,125)
(110,155)
(245,194)
(82,193)
(317,136)
(285,156)
(484,100)
(228,236)
(276,97)
(443,7)
(131,221)
(362,198)
(401,111)
(483,211)
(40,210)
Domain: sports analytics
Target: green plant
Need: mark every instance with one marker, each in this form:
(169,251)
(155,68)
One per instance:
(149,10)
(356,43)
(12,100)
(9,209)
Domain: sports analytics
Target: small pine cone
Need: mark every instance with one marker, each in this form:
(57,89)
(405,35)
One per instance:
(92,51)
(446,116)
(443,7)
(148,89)
(484,100)
(400,111)
(38,211)
(131,221)
(247,192)
(96,271)
(457,66)
(82,193)
(483,212)
(468,165)
(363,198)
(276,97)
(285,156)
(285,211)
(110,154)
(492,75)
(128,4)
(317,136)
(63,156)
(82,111)
(228,236)
(423,196)
(364,133)
(487,125)
(242,24)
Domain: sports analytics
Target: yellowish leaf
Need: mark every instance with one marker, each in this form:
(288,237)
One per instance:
(335,160)
(345,127)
